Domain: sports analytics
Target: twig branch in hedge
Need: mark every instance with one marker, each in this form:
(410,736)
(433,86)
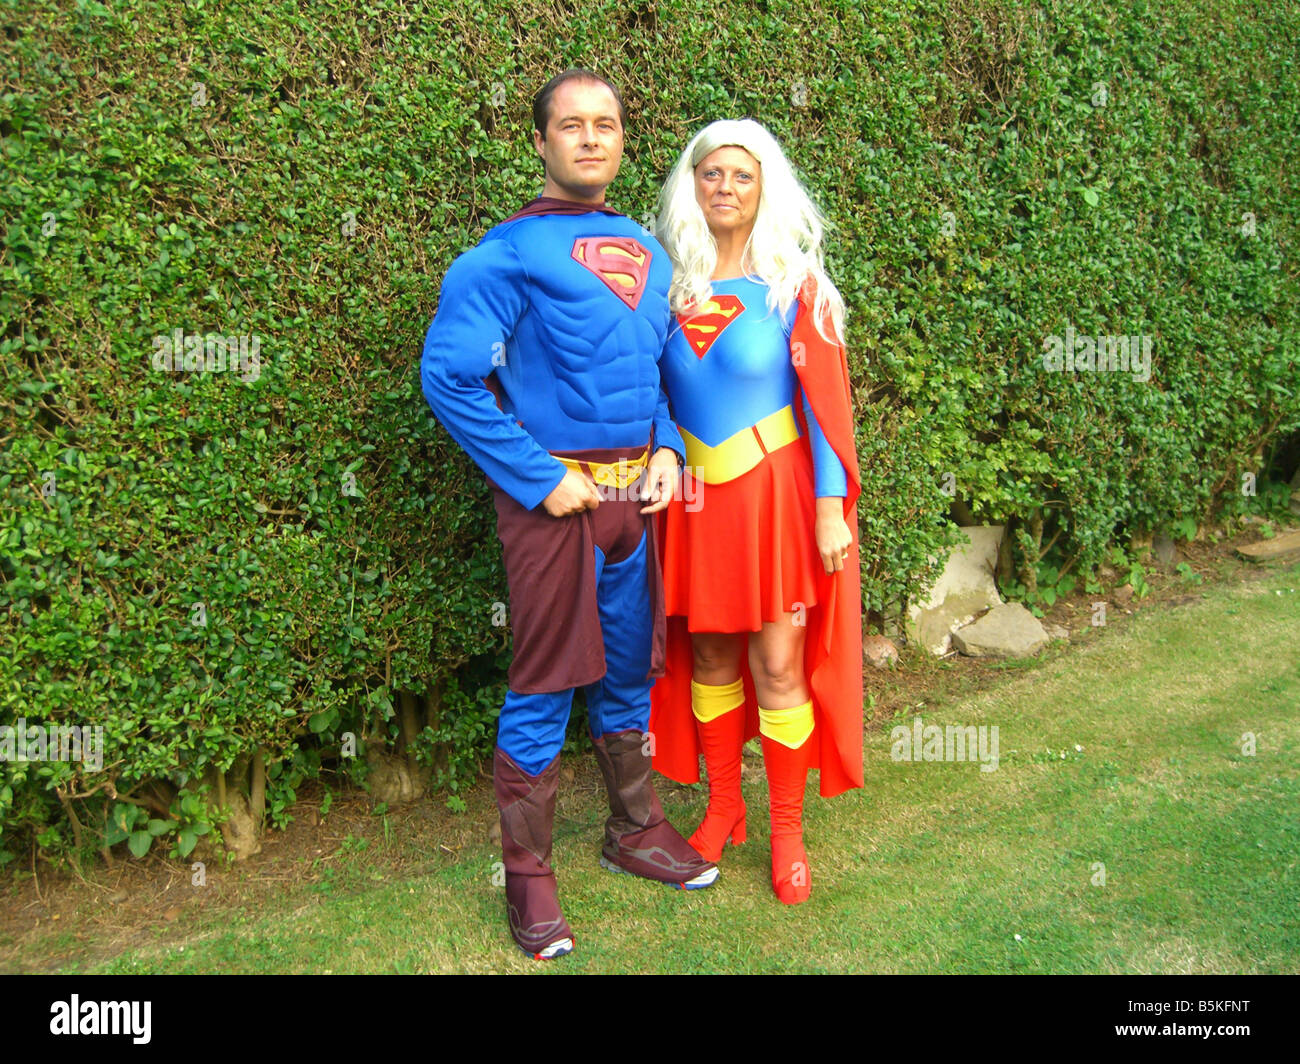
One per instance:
(257,788)
(72,817)
(107,785)
(1232,469)
(36,882)
(41,495)
(144,803)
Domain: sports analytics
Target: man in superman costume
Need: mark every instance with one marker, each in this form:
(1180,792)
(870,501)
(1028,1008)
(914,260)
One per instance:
(564,306)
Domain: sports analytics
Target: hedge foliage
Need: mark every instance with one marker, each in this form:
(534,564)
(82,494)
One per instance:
(267,559)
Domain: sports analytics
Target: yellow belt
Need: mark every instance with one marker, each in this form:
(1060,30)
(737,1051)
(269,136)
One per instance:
(621,474)
(742,451)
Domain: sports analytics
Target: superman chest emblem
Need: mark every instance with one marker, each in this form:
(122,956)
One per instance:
(707,323)
(621,262)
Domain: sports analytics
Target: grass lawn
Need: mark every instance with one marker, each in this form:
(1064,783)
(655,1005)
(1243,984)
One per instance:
(1126,828)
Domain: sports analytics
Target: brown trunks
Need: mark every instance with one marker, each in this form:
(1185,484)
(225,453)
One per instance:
(551,570)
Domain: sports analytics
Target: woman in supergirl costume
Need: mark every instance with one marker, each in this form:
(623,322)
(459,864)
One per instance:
(760,548)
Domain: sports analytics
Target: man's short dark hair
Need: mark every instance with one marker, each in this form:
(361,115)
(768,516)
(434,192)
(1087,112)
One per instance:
(542,101)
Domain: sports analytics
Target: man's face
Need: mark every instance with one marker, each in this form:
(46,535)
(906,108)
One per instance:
(583,145)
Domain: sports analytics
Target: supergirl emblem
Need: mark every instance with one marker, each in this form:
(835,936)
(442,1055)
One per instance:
(701,327)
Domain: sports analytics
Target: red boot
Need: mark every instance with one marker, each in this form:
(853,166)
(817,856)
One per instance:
(787,773)
(723,740)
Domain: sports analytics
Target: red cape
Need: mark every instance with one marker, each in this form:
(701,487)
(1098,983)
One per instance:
(833,645)
(554,205)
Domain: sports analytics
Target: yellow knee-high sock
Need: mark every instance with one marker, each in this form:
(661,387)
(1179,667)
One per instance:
(789,727)
(710,701)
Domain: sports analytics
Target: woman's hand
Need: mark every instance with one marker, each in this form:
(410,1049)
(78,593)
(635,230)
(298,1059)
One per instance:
(832,532)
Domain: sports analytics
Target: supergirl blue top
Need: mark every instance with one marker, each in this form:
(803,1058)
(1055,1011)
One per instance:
(728,369)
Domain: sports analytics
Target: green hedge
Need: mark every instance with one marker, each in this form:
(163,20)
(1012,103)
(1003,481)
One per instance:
(229,575)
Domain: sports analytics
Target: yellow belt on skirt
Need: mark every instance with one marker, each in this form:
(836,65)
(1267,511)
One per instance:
(742,451)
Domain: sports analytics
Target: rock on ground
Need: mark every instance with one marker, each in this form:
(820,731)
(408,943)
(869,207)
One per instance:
(963,590)
(879,652)
(1008,631)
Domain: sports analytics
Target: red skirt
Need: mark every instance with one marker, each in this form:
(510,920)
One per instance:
(744,552)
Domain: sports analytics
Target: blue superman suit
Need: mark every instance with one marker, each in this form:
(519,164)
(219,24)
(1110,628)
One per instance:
(570,312)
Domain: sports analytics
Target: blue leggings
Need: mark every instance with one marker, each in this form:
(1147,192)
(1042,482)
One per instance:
(531,729)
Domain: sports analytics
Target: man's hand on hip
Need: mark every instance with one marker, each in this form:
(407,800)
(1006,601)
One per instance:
(660,480)
(571,495)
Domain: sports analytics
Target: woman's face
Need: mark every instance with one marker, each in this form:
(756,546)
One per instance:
(727,186)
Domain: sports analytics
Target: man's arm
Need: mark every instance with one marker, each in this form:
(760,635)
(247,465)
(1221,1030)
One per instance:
(483,297)
(666,434)
(669,455)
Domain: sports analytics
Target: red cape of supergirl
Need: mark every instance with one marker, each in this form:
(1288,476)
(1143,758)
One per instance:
(833,643)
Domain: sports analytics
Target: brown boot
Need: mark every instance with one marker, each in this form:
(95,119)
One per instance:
(527,805)
(638,839)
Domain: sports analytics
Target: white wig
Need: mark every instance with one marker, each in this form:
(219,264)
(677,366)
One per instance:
(784,247)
